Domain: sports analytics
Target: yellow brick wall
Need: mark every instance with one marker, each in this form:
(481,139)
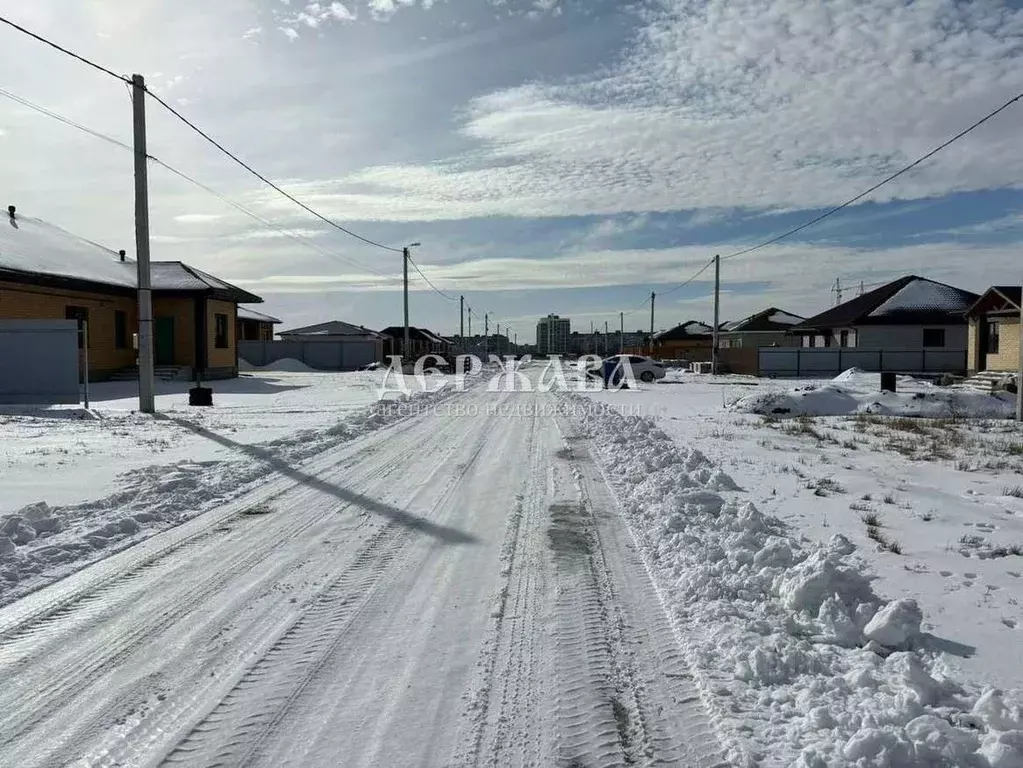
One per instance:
(1007,358)
(183,312)
(221,358)
(29,302)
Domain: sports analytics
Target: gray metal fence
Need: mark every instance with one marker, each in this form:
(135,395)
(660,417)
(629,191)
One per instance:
(39,362)
(322,355)
(830,361)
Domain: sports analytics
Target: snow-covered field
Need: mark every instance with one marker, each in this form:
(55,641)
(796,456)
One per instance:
(688,572)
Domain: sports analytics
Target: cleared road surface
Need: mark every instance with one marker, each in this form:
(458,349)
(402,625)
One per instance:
(455,589)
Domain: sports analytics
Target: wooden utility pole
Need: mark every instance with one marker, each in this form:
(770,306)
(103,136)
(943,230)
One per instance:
(147,399)
(717,306)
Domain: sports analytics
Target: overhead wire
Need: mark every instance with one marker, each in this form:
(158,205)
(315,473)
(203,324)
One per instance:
(434,287)
(65,51)
(181,174)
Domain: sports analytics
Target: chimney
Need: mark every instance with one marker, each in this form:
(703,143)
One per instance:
(10,211)
(121,254)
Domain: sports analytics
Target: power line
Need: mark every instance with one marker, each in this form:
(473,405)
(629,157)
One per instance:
(434,287)
(65,51)
(699,272)
(881,183)
(181,174)
(66,120)
(263,178)
(203,134)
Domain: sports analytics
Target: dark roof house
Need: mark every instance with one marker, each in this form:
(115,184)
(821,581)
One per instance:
(691,330)
(331,329)
(910,300)
(769,320)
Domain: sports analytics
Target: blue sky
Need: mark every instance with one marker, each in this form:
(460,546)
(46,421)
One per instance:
(551,156)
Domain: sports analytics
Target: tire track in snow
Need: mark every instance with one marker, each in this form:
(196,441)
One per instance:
(669,721)
(43,694)
(60,599)
(232,733)
(506,694)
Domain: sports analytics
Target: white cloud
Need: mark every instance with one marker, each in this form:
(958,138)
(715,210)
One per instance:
(782,104)
(384,9)
(253,32)
(290,33)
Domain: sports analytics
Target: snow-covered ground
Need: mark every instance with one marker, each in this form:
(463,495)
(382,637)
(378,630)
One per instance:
(683,573)
(780,539)
(76,485)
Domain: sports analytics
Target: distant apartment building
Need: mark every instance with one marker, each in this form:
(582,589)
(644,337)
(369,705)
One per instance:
(552,335)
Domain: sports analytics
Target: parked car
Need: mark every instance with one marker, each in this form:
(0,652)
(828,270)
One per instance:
(643,368)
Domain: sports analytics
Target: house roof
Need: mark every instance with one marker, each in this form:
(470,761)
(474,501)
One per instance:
(692,329)
(770,319)
(38,250)
(1003,293)
(244,313)
(419,334)
(909,300)
(35,247)
(330,328)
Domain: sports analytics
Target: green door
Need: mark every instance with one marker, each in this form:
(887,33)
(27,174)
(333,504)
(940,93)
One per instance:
(163,331)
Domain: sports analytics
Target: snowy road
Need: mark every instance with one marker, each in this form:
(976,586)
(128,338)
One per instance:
(454,589)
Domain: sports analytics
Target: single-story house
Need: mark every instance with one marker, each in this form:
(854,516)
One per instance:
(47,273)
(993,335)
(421,342)
(254,326)
(331,330)
(911,313)
(768,328)
(691,341)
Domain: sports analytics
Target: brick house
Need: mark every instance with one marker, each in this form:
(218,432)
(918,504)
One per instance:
(692,341)
(254,326)
(993,335)
(47,273)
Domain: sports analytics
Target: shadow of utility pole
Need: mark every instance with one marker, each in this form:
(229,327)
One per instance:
(442,533)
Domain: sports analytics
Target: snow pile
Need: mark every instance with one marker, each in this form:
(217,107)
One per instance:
(789,641)
(839,399)
(40,543)
(284,365)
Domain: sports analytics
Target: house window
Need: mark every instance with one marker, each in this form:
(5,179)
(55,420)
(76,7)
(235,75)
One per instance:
(934,337)
(81,314)
(992,338)
(220,323)
(843,338)
(120,329)
(813,341)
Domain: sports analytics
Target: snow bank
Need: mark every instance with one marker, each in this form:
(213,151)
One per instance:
(284,365)
(790,643)
(836,399)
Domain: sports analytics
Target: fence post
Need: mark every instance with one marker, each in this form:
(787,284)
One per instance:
(799,362)
(880,360)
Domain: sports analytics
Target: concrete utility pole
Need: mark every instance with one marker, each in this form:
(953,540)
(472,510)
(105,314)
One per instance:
(837,290)
(621,333)
(147,400)
(405,256)
(605,337)
(486,334)
(653,296)
(717,305)
(461,318)
(470,322)
(1019,372)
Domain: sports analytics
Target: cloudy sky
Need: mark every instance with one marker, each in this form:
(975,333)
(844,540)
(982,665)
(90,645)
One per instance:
(565,156)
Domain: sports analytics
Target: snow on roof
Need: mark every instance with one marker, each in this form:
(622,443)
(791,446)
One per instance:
(330,328)
(31,245)
(922,295)
(784,318)
(250,314)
